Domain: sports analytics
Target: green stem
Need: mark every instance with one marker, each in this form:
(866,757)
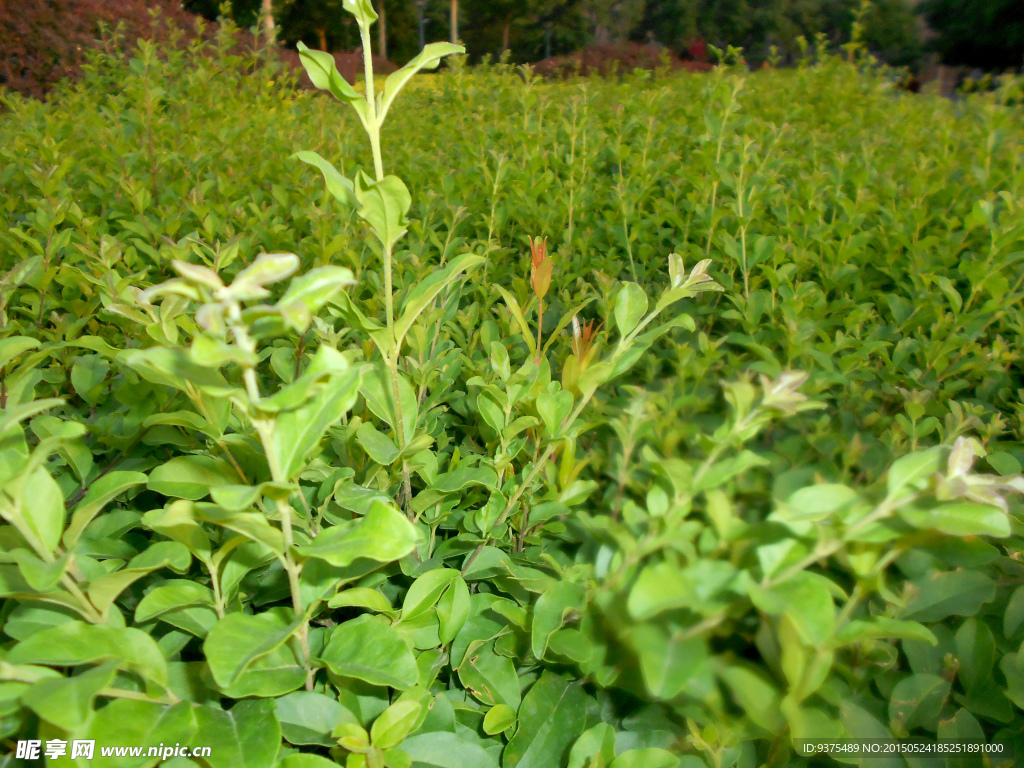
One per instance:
(883,510)
(88,607)
(389,298)
(265,429)
(293,569)
(537,467)
(373,126)
(540,325)
(399,425)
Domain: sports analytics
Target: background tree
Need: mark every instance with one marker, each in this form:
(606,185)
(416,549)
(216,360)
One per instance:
(321,24)
(612,19)
(978,33)
(892,31)
(891,27)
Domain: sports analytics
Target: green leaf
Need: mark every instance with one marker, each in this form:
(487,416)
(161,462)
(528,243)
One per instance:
(499,718)
(13,346)
(136,723)
(384,535)
(1012,667)
(650,757)
(453,610)
(378,391)
(173,368)
(383,205)
(491,678)
(976,650)
(883,628)
(323,73)
(266,269)
(239,640)
(177,521)
(369,650)
(38,511)
(916,702)
(963,726)
(807,600)
(1004,464)
(318,286)
(551,718)
(520,318)
(246,736)
(236,498)
(361,597)
(758,697)
(1013,619)
(67,701)
(630,307)
(191,477)
(172,595)
(463,477)
(911,473)
(551,611)
(363,11)
(427,290)
(660,587)
(340,187)
(953,593)
(297,433)
(163,554)
(252,525)
(87,376)
(213,353)
(818,502)
(100,493)
(300,760)
(425,591)
(395,723)
(307,718)
(377,445)
(723,471)
(596,742)
(75,643)
(667,662)
(443,749)
(28,618)
(326,362)
(554,409)
(960,519)
(40,575)
(428,58)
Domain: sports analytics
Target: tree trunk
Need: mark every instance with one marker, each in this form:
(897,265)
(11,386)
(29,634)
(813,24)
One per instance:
(421,19)
(267,9)
(323,38)
(504,37)
(547,40)
(455,22)
(382,31)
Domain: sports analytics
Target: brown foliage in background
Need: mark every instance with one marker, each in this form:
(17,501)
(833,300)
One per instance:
(604,58)
(45,41)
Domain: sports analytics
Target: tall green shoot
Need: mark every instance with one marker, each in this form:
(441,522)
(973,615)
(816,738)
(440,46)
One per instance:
(382,201)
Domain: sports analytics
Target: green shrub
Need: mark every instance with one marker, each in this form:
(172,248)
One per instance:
(750,480)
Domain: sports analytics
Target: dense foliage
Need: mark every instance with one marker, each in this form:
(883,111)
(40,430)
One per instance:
(654,421)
